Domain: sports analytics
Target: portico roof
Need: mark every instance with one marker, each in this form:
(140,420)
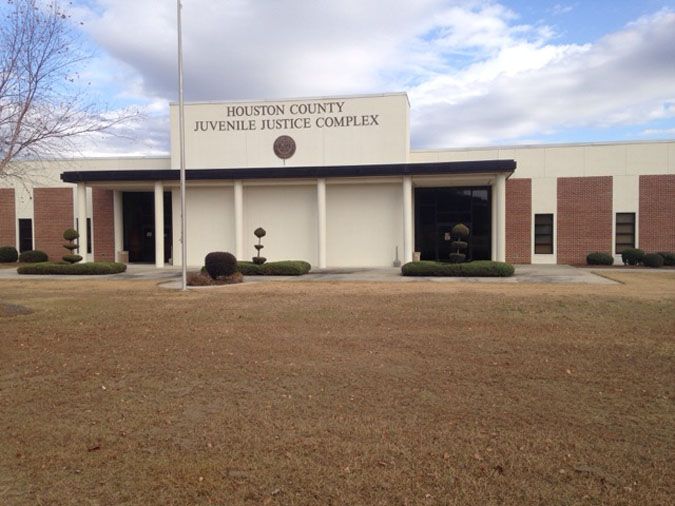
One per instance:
(335,171)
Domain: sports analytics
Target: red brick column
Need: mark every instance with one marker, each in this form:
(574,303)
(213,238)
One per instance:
(7,218)
(53,213)
(518,221)
(104,225)
(657,213)
(584,220)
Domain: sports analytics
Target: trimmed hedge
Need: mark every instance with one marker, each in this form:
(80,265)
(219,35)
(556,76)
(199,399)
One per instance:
(89,268)
(32,256)
(668,257)
(632,256)
(220,264)
(8,254)
(599,258)
(283,268)
(652,260)
(478,268)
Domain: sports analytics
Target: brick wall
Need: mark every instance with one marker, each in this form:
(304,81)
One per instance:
(656,227)
(7,218)
(104,225)
(53,213)
(518,221)
(584,219)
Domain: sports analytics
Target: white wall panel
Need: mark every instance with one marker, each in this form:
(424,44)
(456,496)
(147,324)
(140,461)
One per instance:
(210,223)
(364,224)
(288,215)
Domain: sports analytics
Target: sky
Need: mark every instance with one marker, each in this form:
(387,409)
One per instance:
(477,72)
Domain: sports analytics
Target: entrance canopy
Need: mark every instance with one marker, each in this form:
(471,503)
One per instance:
(371,170)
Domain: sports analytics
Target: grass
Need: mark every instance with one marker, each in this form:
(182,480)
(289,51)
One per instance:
(118,392)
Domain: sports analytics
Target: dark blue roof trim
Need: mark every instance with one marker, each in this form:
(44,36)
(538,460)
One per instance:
(401,169)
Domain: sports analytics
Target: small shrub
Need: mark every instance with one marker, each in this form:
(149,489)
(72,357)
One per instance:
(599,259)
(8,254)
(259,233)
(652,260)
(459,232)
(283,268)
(220,264)
(477,268)
(249,268)
(32,256)
(70,234)
(457,258)
(668,258)
(89,268)
(632,256)
(286,268)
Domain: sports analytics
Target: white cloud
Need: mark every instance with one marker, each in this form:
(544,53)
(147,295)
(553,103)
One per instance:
(658,131)
(625,78)
(473,73)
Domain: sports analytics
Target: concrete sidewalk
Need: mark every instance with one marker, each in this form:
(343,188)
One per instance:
(559,274)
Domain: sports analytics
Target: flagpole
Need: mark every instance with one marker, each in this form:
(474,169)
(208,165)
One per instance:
(181,116)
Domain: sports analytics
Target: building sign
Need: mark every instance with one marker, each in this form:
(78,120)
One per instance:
(296,116)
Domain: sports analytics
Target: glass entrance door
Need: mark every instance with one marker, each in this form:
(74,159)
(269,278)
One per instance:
(437,210)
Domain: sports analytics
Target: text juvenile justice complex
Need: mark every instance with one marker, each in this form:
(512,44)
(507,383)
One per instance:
(304,115)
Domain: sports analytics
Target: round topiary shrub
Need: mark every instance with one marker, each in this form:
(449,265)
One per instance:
(220,264)
(653,260)
(668,257)
(70,234)
(632,256)
(459,245)
(259,233)
(599,258)
(33,256)
(8,254)
(460,230)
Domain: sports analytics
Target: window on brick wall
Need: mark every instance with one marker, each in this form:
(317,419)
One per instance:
(543,234)
(25,234)
(625,232)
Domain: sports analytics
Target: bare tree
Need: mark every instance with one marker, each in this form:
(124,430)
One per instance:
(42,104)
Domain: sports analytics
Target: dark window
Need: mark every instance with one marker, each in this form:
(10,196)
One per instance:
(625,231)
(25,234)
(543,234)
(438,209)
(89,238)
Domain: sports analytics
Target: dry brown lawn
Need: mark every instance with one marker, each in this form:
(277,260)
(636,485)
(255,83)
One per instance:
(123,393)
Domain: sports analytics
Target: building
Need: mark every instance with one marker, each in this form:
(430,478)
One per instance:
(334,182)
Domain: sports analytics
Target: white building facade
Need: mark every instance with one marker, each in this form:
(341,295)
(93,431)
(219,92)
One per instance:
(333,181)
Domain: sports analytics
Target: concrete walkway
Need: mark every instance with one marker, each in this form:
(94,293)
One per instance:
(524,274)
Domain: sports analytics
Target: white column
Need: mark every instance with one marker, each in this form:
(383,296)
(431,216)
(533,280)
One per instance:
(407,220)
(321,217)
(501,218)
(159,224)
(118,221)
(493,231)
(239,219)
(82,219)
